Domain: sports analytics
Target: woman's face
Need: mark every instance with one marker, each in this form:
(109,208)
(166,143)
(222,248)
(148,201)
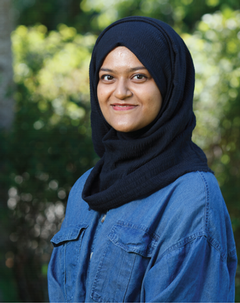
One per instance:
(128,96)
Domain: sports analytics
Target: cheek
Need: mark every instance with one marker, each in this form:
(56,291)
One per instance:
(102,96)
(154,102)
(158,104)
(103,93)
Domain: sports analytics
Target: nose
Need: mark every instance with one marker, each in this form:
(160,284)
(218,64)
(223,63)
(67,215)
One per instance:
(122,90)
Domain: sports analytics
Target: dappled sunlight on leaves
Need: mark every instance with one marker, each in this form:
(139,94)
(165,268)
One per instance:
(216,72)
(61,74)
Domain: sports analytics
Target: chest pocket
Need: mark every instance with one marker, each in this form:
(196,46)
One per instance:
(123,264)
(68,241)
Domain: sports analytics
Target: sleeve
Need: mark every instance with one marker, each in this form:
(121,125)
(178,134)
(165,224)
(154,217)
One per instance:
(195,271)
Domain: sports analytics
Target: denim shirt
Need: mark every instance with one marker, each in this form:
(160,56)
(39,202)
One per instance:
(176,245)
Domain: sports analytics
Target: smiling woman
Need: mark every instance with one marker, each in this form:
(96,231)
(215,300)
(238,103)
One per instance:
(128,95)
(148,223)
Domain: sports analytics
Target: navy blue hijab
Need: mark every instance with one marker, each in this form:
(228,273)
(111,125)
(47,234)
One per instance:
(136,164)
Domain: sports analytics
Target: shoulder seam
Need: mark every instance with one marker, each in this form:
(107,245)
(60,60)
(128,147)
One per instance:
(201,234)
(184,241)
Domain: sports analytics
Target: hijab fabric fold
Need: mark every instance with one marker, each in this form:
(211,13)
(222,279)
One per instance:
(135,165)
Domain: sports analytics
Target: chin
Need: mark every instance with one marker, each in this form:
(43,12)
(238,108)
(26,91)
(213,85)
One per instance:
(125,129)
(122,130)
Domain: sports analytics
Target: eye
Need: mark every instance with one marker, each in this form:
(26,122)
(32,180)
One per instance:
(106,77)
(139,77)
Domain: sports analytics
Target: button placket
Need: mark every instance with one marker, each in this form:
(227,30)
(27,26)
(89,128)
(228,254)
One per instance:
(102,220)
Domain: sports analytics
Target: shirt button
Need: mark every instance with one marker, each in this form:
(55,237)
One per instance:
(91,255)
(103,218)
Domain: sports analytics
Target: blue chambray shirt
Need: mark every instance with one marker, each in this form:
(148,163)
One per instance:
(176,245)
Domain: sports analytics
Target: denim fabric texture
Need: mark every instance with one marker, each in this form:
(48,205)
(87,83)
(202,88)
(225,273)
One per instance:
(176,245)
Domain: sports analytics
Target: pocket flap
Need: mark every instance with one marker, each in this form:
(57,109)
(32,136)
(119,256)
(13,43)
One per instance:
(133,238)
(68,234)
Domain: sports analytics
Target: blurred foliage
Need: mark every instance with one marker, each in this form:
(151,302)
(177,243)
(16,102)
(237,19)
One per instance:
(51,13)
(215,50)
(182,14)
(95,15)
(49,145)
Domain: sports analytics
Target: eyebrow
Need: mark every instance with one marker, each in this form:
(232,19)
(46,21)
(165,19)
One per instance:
(130,69)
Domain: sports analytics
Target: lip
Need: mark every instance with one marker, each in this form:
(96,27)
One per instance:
(122,107)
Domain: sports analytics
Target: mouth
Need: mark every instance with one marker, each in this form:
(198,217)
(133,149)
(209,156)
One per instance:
(122,107)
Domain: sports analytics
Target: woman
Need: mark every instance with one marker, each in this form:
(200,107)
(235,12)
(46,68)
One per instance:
(148,223)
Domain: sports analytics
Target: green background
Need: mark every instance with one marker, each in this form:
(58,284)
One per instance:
(49,145)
